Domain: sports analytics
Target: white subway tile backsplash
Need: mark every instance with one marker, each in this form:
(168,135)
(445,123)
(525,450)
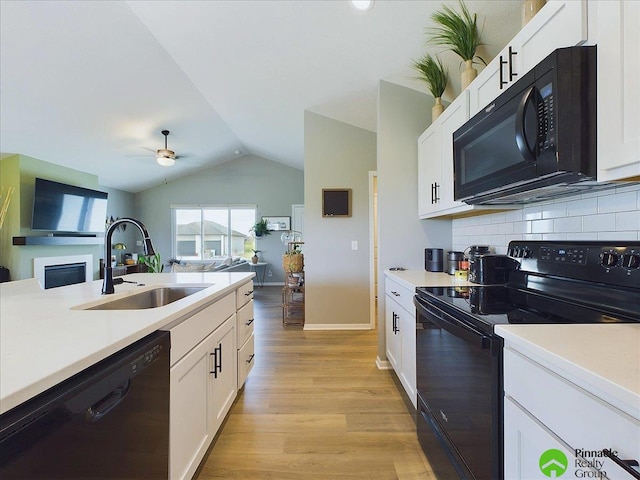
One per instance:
(618,236)
(567,224)
(542,226)
(598,223)
(620,202)
(554,236)
(532,213)
(609,215)
(554,210)
(628,221)
(583,206)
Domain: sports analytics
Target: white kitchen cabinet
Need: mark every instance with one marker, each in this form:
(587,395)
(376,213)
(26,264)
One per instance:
(560,23)
(618,37)
(205,375)
(223,376)
(544,410)
(400,334)
(244,331)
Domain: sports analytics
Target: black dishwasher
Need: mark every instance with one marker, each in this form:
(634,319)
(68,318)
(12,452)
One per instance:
(109,421)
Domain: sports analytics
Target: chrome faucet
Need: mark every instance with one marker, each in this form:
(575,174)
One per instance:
(107,284)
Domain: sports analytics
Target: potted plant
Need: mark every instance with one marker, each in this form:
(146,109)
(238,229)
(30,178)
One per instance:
(261,228)
(459,32)
(255,258)
(436,76)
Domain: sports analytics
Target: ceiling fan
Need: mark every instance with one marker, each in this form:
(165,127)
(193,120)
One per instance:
(164,156)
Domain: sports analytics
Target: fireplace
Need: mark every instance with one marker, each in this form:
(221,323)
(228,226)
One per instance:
(54,272)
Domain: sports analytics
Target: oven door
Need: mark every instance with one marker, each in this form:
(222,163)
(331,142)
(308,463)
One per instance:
(459,375)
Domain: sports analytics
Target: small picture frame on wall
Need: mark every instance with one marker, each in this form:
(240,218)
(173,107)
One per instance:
(336,202)
(275,224)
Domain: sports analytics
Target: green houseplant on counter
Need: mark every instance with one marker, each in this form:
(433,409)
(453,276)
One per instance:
(459,32)
(436,76)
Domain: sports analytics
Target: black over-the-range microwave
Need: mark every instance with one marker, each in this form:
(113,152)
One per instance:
(537,140)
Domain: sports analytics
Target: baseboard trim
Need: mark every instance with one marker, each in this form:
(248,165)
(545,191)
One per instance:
(383,364)
(337,326)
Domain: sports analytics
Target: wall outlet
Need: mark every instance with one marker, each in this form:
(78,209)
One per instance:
(270,273)
(354,245)
(138,243)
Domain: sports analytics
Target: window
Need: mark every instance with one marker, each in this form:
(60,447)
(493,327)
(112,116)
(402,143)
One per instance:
(213,232)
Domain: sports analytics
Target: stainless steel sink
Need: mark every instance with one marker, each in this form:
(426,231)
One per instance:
(154,298)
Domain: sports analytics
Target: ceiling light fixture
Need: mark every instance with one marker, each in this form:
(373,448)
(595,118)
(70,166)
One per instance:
(362,4)
(164,156)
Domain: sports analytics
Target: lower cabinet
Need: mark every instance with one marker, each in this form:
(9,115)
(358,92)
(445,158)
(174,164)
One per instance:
(205,375)
(400,335)
(554,427)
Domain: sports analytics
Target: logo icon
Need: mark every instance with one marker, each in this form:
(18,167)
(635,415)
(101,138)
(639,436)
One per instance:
(553,463)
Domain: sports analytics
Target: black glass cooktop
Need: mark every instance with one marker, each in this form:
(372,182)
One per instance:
(502,304)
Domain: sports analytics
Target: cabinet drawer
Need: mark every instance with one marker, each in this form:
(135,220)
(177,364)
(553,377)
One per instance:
(576,416)
(189,333)
(244,320)
(400,293)
(244,294)
(246,360)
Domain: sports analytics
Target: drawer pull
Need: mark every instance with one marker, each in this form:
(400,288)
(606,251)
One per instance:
(396,294)
(626,465)
(246,294)
(249,322)
(250,359)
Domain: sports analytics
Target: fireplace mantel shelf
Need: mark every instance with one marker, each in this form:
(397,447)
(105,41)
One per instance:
(70,240)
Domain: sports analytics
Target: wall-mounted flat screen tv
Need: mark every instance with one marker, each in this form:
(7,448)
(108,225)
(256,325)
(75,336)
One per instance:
(58,207)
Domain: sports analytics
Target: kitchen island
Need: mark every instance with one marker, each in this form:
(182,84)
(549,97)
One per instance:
(46,336)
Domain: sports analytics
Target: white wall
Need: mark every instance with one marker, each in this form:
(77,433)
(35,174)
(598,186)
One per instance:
(609,215)
(272,186)
(403,114)
(337,155)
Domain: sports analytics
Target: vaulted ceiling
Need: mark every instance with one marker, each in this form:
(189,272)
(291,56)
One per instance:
(90,85)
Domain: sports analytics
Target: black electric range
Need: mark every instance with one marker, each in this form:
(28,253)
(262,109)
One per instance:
(459,358)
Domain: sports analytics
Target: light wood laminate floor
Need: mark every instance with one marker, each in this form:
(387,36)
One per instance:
(315,407)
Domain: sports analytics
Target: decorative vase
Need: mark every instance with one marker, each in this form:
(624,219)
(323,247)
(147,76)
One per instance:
(530,8)
(254,259)
(469,74)
(437,109)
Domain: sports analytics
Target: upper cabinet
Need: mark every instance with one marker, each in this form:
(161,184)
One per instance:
(618,38)
(560,23)
(435,164)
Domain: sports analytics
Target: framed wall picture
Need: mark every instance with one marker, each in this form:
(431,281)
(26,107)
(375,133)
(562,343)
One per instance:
(336,202)
(278,223)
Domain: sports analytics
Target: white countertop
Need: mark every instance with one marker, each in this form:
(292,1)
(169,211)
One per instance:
(422,278)
(44,341)
(603,359)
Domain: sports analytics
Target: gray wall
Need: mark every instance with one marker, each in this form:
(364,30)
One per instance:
(403,114)
(336,155)
(272,186)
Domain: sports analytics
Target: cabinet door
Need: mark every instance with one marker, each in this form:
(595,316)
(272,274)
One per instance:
(618,93)
(223,377)
(560,23)
(453,118)
(407,325)
(429,170)
(189,437)
(392,330)
(525,441)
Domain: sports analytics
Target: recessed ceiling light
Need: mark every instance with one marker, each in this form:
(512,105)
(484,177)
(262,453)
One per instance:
(362,4)
(238,152)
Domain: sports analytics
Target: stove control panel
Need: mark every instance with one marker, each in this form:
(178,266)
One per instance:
(606,262)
